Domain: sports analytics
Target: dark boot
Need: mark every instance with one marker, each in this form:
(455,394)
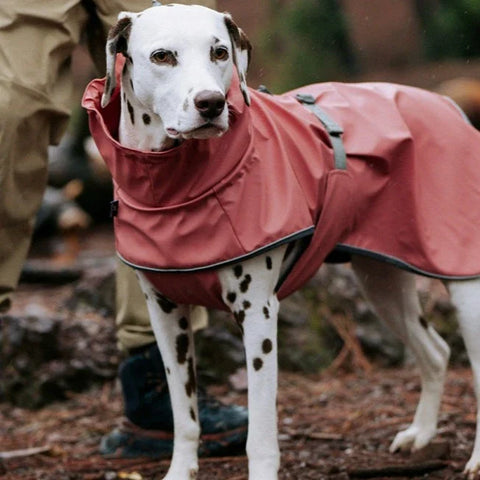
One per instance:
(147,429)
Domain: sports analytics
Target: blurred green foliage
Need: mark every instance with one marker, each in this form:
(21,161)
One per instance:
(450,28)
(305,42)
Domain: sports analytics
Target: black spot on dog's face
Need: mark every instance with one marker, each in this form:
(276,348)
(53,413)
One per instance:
(423,322)
(183,323)
(168,371)
(108,83)
(192,415)
(245,283)
(267,346)
(182,347)
(266,312)
(131,112)
(246,304)
(165,304)
(191,385)
(231,297)
(257,363)
(146,119)
(268,261)
(238,270)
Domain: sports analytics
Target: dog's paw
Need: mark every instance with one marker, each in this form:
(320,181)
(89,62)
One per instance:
(412,439)
(191,474)
(180,471)
(265,468)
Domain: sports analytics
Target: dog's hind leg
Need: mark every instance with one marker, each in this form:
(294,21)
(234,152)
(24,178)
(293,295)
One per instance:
(465,296)
(393,296)
(248,288)
(172,328)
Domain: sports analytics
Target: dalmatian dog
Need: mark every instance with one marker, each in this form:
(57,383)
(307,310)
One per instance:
(180,62)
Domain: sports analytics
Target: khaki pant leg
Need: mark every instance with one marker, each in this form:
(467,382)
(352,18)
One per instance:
(36,41)
(133,323)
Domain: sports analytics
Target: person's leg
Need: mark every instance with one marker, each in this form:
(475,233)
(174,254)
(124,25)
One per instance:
(36,41)
(148,425)
(133,323)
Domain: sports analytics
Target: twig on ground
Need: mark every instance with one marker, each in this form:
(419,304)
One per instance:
(25,452)
(397,470)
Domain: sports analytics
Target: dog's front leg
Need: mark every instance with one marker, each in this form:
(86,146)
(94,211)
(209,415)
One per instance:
(248,289)
(173,332)
(260,340)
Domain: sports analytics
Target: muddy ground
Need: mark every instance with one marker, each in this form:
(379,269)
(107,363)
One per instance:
(333,425)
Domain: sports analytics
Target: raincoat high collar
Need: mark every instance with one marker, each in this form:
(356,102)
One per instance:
(182,173)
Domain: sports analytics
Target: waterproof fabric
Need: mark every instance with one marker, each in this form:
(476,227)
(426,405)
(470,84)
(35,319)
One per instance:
(409,195)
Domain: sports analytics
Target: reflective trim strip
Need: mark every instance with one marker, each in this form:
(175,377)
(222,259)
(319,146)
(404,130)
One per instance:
(397,262)
(334,130)
(289,238)
(457,106)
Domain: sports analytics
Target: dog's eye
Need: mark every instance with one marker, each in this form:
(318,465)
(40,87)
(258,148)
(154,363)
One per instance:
(163,57)
(219,53)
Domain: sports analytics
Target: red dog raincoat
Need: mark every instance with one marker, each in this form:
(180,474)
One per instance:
(410,192)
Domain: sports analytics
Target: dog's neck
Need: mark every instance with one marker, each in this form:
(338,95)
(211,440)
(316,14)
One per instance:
(139,127)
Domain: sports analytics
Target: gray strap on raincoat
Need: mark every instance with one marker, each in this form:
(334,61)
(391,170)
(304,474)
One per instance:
(333,129)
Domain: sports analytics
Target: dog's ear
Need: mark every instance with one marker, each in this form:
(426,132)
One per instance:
(241,49)
(117,42)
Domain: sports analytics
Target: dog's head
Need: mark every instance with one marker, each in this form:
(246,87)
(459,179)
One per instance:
(180,62)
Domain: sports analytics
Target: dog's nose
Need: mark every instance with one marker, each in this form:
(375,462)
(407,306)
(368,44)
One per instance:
(210,104)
